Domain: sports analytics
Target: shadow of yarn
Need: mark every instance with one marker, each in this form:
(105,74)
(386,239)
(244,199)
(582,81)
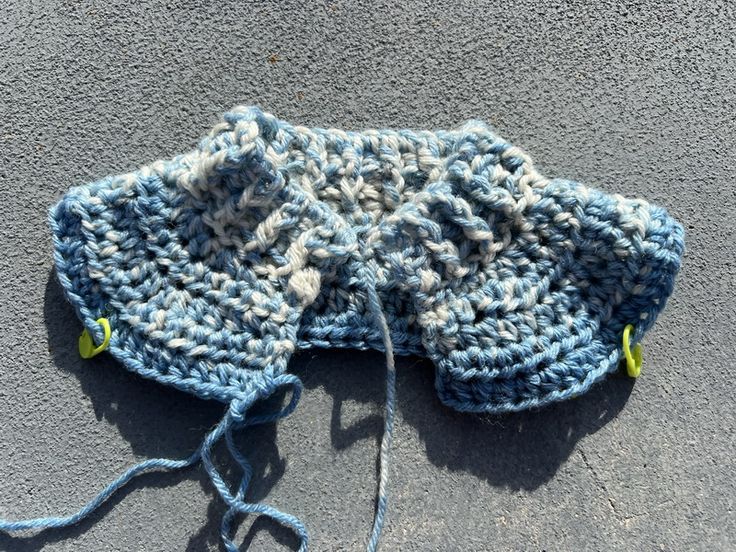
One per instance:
(517,451)
(346,375)
(158,422)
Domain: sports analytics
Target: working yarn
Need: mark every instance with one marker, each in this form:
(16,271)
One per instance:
(214,267)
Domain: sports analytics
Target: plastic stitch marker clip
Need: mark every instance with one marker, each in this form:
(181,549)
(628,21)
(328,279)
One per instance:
(633,358)
(87,347)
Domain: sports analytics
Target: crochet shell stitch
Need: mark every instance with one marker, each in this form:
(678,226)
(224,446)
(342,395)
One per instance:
(214,267)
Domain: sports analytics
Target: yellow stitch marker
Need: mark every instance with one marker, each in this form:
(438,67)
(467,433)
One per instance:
(87,347)
(633,361)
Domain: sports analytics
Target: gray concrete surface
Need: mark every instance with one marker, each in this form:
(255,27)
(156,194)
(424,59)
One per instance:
(636,98)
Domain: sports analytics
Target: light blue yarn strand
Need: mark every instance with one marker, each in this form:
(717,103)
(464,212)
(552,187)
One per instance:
(238,505)
(234,418)
(376,309)
(97,501)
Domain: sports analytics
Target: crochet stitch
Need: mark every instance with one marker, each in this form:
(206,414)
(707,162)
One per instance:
(214,267)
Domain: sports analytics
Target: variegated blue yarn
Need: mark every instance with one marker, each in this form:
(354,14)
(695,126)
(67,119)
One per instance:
(214,267)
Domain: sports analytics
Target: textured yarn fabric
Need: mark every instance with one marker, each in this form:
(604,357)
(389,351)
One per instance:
(214,267)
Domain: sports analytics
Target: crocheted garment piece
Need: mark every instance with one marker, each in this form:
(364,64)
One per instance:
(215,266)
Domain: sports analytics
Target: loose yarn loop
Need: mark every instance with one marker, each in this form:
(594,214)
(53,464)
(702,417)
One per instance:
(235,418)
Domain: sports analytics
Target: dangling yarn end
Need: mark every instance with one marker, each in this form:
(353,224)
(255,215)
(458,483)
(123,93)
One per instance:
(379,317)
(234,418)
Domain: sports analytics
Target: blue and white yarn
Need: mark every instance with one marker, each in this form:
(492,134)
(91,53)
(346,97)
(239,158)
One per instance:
(214,267)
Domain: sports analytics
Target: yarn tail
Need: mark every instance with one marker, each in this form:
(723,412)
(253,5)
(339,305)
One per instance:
(234,418)
(374,304)
(97,501)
